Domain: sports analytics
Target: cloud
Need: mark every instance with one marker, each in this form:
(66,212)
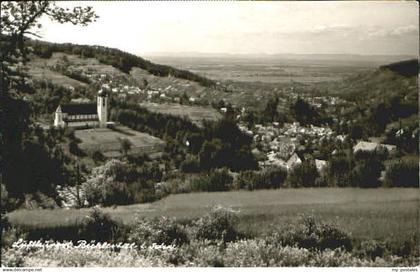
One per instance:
(324,29)
(399,31)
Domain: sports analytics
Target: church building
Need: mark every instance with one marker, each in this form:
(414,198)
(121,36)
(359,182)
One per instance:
(84,114)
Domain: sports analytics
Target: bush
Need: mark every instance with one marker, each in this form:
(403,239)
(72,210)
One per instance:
(142,191)
(158,231)
(245,180)
(307,233)
(106,192)
(107,184)
(12,258)
(178,185)
(97,156)
(98,226)
(218,224)
(372,249)
(367,171)
(190,165)
(303,175)
(268,178)
(403,174)
(216,180)
(4,201)
(339,171)
(272,178)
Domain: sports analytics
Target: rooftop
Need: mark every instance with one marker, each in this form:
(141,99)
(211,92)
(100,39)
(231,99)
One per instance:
(78,108)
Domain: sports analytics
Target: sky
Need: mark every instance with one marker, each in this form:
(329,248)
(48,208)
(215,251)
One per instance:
(358,27)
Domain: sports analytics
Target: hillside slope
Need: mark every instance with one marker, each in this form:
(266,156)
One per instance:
(396,79)
(62,72)
(117,58)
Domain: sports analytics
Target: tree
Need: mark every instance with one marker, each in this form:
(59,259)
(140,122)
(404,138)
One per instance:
(403,173)
(339,169)
(304,113)
(125,146)
(303,175)
(18,21)
(367,169)
(270,112)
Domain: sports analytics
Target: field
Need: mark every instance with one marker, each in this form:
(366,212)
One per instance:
(365,213)
(107,141)
(193,113)
(267,69)
(39,69)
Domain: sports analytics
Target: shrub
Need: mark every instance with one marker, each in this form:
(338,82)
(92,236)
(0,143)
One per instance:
(366,173)
(3,198)
(98,226)
(268,178)
(97,155)
(303,175)
(106,192)
(339,171)
(272,178)
(142,191)
(219,224)
(107,184)
(177,185)
(202,253)
(332,237)
(367,170)
(216,180)
(12,258)
(403,174)
(190,165)
(245,180)
(372,249)
(307,233)
(158,231)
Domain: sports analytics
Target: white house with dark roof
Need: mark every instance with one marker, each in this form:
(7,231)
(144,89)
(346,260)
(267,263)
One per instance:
(370,146)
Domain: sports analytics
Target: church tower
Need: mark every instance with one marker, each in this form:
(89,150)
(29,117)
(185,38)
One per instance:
(58,119)
(103,106)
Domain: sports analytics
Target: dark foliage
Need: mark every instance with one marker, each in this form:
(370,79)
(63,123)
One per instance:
(303,175)
(216,180)
(405,68)
(219,224)
(217,145)
(367,169)
(403,173)
(146,232)
(304,113)
(310,234)
(268,178)
(99,227)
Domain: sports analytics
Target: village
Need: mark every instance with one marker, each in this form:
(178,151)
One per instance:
(279,146)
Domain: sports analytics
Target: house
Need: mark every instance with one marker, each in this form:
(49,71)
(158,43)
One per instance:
(320,165)
(293,161)
(369,146)
(91,114)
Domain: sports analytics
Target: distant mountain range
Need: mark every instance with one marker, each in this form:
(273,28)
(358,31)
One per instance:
(297,57)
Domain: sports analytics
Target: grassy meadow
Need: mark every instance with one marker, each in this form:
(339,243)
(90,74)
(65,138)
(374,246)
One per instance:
(108,140)
(194,113)
(365,213)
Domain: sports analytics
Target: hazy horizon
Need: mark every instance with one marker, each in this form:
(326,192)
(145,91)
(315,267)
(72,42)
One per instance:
(296,27)
(192,53)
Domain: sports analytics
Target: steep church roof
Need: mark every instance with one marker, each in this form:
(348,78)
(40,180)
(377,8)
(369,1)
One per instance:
(79,108)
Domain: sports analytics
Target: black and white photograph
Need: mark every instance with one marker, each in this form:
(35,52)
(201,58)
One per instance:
(139,134)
